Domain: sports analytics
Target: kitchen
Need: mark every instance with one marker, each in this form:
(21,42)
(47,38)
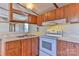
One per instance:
(39,29)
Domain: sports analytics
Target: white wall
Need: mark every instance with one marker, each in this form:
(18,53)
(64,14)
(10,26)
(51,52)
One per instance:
(43,29)
(71,30)
(32,28)
(4,27)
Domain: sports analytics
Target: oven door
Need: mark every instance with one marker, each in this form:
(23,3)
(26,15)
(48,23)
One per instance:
(48,46)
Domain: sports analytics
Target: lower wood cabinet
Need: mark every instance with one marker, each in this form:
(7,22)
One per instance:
(35,47)
(65,48)
(13,48)
(24,47)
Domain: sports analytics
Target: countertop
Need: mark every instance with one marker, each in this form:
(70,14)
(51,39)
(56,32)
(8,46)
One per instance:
(5,39)
(71,38)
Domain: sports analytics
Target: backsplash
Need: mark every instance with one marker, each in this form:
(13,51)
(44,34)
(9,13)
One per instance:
(55,28)
(71,30)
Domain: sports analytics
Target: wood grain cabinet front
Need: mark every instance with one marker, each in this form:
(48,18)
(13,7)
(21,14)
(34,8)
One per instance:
(66,48)
(71,10)
(35,46)
(44,17)
(51,15)
(24,47)
(60,13)
(32,19)
(39,20)
(30,47)
(13,48)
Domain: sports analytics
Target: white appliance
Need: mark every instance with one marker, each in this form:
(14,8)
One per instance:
(47,46)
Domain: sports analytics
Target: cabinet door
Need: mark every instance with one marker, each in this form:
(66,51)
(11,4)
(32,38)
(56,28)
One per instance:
(13,48)
(60,13)
(77,49)
(39,20)
(26,47)
(35,46)
(32,19)
(61,48)
(51,15)
(65,48)
(71,10)
(44,17)
(73,15)
(77,8)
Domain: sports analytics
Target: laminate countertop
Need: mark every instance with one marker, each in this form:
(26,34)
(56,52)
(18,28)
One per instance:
(5,39)
(70,38)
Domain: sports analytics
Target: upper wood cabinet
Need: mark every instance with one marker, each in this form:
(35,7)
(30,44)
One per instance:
(68,11)
(32,19)
(13,48)
(44,16)
(77,7)
(39,20)
(71,10)
(60,13)
(51,15)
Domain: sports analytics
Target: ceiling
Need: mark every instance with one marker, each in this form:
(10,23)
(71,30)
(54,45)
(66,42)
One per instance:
(39,8)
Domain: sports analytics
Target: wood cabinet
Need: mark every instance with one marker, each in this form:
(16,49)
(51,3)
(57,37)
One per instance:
(61,50)
(44,17)
(65,48)
(13,48)
(30,47)
(32,19)
(60,13)
(51,15)
(70,10)
(24,47)
(39,20)
(35,46)
(77,8)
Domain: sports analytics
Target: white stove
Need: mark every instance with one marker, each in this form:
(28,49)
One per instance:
(48,45)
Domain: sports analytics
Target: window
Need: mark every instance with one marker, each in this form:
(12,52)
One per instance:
(19,27)
(26,27)
(13,27)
